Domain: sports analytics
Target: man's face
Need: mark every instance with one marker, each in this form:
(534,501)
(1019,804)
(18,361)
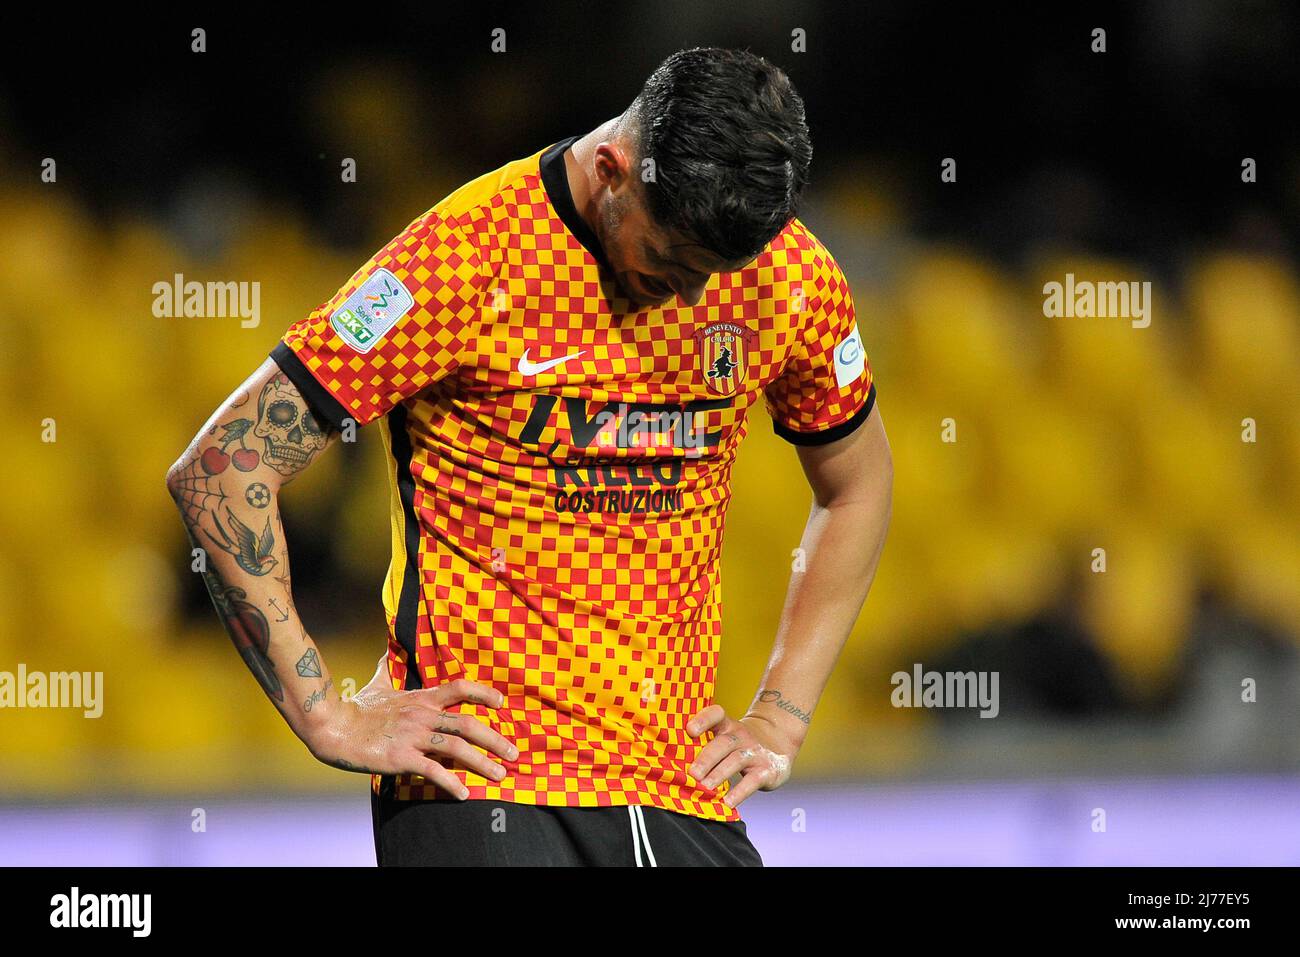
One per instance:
(652,265)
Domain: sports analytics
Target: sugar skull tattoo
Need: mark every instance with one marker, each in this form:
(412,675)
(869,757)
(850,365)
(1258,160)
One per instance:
(292,434)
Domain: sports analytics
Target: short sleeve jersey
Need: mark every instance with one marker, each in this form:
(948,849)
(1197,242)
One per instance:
(560,463)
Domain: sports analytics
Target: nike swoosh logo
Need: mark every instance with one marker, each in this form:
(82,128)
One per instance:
(536,368)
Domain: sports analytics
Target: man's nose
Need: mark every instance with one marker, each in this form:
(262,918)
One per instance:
(690,292)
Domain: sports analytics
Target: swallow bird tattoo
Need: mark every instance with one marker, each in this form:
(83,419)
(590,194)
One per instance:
(252,552)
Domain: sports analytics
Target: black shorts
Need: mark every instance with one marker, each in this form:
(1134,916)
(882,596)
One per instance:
(499,833)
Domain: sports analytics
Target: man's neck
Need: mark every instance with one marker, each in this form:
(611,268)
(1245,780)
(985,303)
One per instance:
(580,167)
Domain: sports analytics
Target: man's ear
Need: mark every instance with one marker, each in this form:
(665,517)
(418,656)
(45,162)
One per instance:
(613,165)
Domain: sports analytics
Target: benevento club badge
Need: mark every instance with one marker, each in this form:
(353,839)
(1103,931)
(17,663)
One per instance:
(722,350)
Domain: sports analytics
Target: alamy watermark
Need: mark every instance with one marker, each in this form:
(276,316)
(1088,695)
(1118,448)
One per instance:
(208,300)
(133,912)
(1085,299)
(946,689)
(55,689)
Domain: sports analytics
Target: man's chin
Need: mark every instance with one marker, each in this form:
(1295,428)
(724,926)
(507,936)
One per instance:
(643,303)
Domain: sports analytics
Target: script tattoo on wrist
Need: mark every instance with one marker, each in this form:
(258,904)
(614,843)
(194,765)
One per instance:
(773,697)
(317,696)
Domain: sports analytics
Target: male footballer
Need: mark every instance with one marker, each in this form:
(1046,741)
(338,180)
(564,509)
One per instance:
(561,356)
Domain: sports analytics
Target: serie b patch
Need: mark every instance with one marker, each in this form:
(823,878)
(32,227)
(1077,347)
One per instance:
(723,354)
(372,310)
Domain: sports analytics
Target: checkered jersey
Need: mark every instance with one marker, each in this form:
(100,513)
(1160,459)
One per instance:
(560,466)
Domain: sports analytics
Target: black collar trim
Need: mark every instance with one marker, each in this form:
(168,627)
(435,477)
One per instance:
(555,179)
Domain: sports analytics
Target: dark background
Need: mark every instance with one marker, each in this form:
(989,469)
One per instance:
(1132,142)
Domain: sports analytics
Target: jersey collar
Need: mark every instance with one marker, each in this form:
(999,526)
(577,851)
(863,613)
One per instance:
(555,179)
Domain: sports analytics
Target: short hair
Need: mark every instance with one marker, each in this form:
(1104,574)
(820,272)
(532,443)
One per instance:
(730,146)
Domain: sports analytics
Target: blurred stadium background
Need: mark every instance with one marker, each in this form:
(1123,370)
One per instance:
(1120,690)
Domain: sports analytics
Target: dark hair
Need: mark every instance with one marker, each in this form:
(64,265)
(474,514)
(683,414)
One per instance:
(726,132)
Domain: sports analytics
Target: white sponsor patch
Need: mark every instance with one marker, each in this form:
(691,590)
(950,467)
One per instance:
(372,310)
(850,359)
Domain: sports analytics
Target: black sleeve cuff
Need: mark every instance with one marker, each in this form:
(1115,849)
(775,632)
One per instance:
(831,434)
(323,405)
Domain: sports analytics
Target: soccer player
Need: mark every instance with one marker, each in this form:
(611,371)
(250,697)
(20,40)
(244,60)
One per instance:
(561,356)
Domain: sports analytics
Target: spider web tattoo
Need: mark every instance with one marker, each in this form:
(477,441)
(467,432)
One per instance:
(200,493)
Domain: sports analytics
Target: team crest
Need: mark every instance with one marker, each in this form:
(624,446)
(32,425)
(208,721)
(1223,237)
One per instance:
(722,356)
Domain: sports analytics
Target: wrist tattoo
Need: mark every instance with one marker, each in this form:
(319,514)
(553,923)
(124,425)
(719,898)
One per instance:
(317,696)
(773,697)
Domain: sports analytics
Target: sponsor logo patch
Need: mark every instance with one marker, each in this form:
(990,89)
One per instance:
(372,310)
(850,359)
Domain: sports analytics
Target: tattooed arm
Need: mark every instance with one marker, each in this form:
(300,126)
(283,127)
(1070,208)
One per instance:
(227,486)
(852,486)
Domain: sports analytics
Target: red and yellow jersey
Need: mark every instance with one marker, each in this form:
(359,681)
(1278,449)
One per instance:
(560,466)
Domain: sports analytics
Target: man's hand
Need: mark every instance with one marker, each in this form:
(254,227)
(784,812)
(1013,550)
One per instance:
(851,480)
(395,732)
(753,747)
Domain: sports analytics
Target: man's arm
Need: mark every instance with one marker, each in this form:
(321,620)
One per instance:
(852,484)
(227,486)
